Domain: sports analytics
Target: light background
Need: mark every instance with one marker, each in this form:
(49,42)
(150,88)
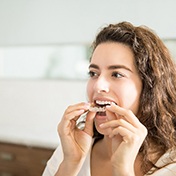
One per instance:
(31,109)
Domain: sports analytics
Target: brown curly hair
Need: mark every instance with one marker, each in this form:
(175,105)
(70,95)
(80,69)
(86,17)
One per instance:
(157,109)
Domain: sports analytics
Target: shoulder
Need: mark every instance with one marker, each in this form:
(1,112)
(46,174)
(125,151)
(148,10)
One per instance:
(169,170)
(168,164)
(168,157)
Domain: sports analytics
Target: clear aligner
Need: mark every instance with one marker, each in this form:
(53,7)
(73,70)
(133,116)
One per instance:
(97,109)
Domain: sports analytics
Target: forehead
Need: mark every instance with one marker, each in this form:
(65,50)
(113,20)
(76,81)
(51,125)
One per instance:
(112,53)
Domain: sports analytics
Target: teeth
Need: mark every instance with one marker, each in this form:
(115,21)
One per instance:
(97,109)
(103,102)
(100,109)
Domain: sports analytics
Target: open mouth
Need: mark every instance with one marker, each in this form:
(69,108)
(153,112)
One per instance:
(99,106)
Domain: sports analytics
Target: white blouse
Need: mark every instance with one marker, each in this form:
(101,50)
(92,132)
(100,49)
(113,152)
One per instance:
(57,157)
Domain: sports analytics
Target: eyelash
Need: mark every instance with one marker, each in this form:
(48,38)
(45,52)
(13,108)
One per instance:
(117,75)
(92,74)
(114,74)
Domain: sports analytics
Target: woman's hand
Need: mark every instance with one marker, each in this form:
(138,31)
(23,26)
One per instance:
(75,142)
(127,134)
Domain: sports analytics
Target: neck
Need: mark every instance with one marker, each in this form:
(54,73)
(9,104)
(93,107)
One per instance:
(106,150)
(105,153)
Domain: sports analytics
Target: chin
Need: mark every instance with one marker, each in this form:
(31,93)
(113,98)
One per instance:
(100,130)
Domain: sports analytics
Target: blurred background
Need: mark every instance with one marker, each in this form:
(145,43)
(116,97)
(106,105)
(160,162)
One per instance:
(44,53)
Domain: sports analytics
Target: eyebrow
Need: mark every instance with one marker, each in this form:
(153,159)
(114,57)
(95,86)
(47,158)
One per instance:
(111,67)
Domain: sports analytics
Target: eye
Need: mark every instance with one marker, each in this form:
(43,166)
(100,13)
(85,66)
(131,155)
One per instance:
(92,74)
(117,75)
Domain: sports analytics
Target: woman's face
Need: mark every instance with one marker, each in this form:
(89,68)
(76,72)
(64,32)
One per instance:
(113,78)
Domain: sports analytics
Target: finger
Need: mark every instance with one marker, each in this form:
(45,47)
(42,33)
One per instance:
(127,135)
(72,110)
(89,123)
(127,114)
(69,121)
(74,115)
(77,106)
(117,123)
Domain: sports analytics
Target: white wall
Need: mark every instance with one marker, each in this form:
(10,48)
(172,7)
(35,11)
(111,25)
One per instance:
(62,21)
(40,104)
(31,109)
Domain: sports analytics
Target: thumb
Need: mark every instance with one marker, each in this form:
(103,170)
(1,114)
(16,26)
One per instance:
(89,123)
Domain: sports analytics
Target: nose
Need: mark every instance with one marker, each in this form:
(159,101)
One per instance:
(102,85)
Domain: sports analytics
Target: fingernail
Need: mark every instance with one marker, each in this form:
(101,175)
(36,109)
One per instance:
(101,125)
(112,104)
(87,105)
(81,110)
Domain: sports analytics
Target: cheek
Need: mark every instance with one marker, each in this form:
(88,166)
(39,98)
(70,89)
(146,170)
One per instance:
(130,98)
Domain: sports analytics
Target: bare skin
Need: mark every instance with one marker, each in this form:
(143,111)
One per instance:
(101,161)
(113,78)
(80,142)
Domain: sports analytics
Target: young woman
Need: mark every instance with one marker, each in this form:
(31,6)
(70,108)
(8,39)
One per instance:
(132,130)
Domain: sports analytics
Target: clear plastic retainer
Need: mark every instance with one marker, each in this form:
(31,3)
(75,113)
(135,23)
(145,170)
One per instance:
(97,109)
